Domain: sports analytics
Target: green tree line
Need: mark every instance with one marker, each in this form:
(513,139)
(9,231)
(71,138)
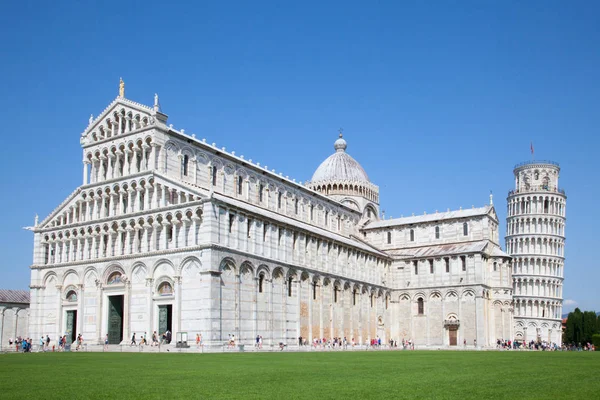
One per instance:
(581,326)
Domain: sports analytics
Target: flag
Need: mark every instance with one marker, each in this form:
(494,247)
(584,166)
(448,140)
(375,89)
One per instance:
(531,146)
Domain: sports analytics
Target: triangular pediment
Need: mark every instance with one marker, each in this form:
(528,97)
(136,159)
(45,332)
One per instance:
(121,116)
(70,204)
(492,213)
(52,220)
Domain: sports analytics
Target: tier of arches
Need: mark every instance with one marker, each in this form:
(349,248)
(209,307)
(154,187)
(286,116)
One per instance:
(283,303)
(551,226)
(120,122)
(161,271)
(541,204)
(525,286)
(121,159)
(360,189)
(155,232)
(121,198)
(537,266)
(538,308)
(535,245)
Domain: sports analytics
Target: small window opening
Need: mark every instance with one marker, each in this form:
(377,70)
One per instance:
(412,235)
(389,237)
(447,261)
(416,266)
(240,184)
(214,175)
(463,261)
(186,160)
(437,232)
(431,266)
(248,227)
(290,280)
(231,220)
(420,306)
(465,229)
(261,279)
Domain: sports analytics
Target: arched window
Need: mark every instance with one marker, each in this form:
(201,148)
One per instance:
(412,235)
(71,295)
(437,232)
(114,278)
(261,279)
(420,306)
(465,229)
(165,289)
(389,237)
(185,162)
(536,175)
(279,197)
(290,280)
(214,175)
(240,184)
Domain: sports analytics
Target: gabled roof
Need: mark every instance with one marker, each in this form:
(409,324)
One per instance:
(480,246)
(300,224)
(417,219)
(14,296)
(113,105)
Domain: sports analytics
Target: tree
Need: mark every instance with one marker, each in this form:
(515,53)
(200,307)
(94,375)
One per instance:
(574,328)
(589,325)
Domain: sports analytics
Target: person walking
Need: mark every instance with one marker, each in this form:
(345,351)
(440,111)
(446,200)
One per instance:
(106,343)
(133,343)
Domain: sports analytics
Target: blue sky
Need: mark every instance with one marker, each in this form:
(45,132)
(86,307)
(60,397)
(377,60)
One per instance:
(438,101)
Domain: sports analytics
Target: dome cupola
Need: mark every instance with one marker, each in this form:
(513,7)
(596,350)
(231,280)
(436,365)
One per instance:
(341,177)
(340,166)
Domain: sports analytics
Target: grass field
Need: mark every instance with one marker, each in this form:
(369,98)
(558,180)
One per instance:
(349,375)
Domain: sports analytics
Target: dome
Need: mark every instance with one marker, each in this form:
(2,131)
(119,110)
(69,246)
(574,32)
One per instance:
(340,166)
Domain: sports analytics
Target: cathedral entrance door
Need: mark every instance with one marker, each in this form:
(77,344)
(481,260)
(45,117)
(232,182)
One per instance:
(165,314)
(452,331)
(71,326)
(115,319)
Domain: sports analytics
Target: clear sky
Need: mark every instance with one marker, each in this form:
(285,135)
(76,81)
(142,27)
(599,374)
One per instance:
(438,101)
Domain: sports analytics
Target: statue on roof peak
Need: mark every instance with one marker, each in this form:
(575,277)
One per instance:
(121,88)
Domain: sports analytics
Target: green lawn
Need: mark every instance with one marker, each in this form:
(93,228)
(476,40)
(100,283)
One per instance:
(349,375)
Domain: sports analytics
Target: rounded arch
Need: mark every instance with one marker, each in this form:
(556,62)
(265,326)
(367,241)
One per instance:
(165,286)
(71,276)
(109,271)
(163,266)
(50,276)
(263,269)
(90,275)
(139,272)
(247,269)
(227,263)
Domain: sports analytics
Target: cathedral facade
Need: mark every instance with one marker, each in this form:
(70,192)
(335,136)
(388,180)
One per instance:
(171,233)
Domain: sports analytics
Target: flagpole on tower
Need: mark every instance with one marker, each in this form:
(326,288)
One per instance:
(532,152)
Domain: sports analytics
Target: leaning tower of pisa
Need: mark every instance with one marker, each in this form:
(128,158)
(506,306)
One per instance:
(535,238)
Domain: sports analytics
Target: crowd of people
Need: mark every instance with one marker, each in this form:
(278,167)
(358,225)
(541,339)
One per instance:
(21,344)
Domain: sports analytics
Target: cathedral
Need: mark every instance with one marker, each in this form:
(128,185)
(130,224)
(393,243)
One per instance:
(171,233)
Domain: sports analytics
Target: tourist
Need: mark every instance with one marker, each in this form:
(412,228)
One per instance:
(154,339)
(133,343)
(106,343)
(42,347)
(260,342)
